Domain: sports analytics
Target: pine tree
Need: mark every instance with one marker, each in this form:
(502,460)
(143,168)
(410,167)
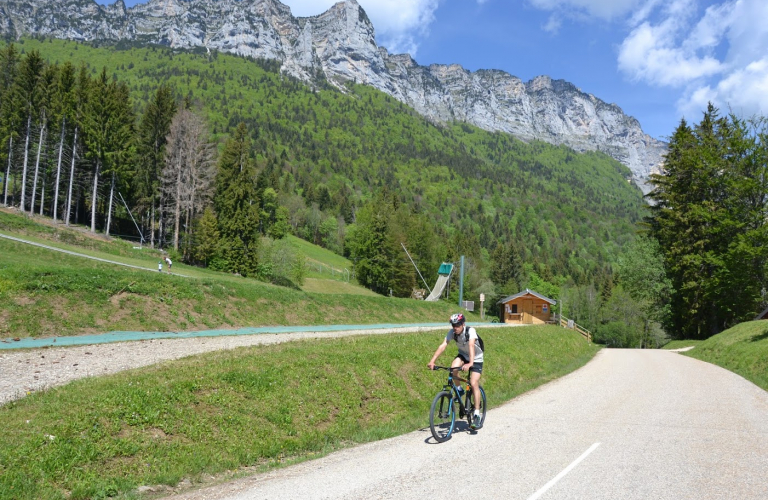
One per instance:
(108,127)
(506,268)
(153,132)
(81,96)
(205,239)
(709,218)
(65,100)
(237,205)
(27,88)
(9,110)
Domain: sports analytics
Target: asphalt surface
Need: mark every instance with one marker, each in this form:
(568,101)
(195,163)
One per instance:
(631,424)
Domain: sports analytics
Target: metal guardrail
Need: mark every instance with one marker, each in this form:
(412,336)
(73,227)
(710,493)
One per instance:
(569,323)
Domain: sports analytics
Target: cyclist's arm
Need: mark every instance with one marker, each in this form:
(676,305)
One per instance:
(437,354)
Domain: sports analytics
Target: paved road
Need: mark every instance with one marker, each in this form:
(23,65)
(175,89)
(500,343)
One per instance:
(645,425)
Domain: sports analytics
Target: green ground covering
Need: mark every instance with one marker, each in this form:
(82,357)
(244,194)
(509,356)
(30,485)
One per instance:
(742,349)
(71,295)
(680,344)
(251,407)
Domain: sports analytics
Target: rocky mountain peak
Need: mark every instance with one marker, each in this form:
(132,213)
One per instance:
(340,43)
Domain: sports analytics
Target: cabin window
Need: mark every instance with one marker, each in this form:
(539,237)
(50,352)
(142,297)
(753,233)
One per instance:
(514,308)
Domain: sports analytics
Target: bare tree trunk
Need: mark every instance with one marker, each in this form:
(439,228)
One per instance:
(8,171)
(26,160)
(77,203)
(188,215)
(111,198)
(177,212)
(58,171)
(187,169)
(152,225)
(95,194)
(37,168)
(42,190)
(161,223)
(71,178)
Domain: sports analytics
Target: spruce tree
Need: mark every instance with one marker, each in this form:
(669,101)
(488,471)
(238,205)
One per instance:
(27,91)
(153,132)
(237,205)
(9,111)
(709,219)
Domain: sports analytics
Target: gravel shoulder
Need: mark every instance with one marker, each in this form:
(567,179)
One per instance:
(30,370)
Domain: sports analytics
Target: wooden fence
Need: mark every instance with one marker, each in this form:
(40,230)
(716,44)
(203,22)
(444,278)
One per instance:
(569,323)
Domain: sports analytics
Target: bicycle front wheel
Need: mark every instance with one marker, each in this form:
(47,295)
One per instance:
(471,406)
(442,416)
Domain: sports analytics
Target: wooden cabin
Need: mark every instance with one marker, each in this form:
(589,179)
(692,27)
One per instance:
(526,308)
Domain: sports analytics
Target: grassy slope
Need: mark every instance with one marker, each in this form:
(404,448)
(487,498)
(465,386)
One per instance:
(742,349)
(680,344)
(206,415)
(70,295)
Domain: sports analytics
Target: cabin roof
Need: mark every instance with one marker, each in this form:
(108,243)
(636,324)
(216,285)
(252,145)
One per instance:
(526,292)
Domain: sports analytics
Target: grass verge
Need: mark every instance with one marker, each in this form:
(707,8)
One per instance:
(742,349)
(680,344)
(71,295)
(201,416)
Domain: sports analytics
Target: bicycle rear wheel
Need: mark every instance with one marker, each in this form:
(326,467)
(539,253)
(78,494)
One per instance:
(471,406)
(442,416)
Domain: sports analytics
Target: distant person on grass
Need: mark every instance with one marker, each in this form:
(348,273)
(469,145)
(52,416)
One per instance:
(469,358)
(160,266)
(168,261)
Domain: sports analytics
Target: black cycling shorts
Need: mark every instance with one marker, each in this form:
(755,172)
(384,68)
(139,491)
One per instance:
(476,367)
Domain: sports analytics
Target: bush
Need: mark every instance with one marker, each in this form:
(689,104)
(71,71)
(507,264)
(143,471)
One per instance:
(280,263)
(617,334)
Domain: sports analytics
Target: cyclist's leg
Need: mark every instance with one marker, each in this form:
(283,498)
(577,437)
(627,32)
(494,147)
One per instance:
(474,381)
(458,361)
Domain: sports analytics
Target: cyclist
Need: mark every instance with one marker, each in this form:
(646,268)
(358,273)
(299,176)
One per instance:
(469,358)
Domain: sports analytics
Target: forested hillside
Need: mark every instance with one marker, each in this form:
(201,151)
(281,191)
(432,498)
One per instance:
(356,172)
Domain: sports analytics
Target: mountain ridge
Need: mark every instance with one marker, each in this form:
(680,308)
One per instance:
(340,45)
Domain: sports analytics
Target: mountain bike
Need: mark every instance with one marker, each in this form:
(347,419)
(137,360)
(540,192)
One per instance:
(453,399)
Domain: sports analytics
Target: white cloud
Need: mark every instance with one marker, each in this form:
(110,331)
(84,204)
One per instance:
(553,24)
(743,91)
(719,55)
(654,54)
(398,23)
(716,54)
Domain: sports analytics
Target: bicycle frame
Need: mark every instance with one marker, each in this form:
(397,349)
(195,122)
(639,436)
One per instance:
(454,389)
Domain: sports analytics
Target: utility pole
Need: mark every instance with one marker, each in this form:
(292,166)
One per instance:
(461,282)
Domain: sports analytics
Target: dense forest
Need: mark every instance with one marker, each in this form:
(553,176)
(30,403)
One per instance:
(710,219)
(209,155)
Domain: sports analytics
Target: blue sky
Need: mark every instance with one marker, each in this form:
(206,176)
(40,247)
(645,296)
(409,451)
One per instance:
(659,60)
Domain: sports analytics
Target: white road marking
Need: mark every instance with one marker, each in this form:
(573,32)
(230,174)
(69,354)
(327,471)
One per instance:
(563,473)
